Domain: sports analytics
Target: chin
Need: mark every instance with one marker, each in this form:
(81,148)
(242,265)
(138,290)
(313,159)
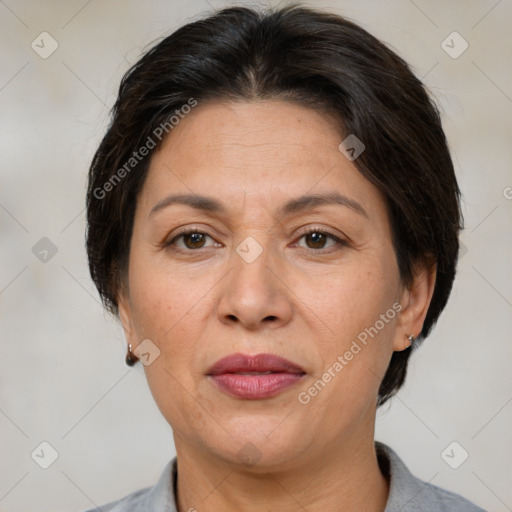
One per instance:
(262,443)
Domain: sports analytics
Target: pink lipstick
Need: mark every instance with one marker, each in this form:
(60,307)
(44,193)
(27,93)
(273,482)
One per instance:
(254,377)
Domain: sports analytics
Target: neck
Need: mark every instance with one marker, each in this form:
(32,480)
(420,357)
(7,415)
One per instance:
(344,477)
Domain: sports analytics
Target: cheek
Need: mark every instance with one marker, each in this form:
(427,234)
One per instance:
(166,309)
(348,301)
(357,312)
(162,298)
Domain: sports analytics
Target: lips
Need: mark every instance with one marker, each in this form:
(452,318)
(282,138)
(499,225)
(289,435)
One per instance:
(254,377)
(258,364)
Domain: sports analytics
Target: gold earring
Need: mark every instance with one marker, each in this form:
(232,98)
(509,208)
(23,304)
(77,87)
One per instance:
(130,358)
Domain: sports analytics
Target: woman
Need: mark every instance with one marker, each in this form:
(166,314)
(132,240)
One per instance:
(274,216)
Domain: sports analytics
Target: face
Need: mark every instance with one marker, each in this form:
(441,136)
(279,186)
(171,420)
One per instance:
(263,265)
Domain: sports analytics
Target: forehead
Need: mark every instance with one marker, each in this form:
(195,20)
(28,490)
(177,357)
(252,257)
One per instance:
(266,150)
(238,132)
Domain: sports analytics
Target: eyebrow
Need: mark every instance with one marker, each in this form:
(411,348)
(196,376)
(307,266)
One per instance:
(303,203)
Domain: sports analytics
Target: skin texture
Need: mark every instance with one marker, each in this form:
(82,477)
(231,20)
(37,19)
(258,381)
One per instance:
(302,299)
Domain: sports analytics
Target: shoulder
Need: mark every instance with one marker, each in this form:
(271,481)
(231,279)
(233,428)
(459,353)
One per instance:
(409,493)
(159,498)
(130,503)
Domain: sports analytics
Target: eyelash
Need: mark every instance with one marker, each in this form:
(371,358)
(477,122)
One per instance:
(339,242)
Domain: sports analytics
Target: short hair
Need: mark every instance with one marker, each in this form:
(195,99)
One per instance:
(316,59)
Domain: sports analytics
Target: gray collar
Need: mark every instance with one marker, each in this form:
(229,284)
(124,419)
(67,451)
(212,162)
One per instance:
(406,492)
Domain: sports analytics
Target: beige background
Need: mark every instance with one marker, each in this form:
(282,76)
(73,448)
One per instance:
(62,375)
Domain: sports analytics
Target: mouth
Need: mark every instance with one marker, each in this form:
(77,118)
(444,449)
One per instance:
(253,365)
(254,377)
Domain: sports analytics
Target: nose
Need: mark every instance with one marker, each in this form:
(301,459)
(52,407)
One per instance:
(254,293)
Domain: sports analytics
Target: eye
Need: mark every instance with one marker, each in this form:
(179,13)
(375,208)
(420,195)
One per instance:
(192,239)
(316,239)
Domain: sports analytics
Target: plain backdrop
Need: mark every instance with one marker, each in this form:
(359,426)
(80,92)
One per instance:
(63,380)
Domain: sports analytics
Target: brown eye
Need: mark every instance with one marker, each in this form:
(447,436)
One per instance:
(189,240)
(194,240)
(317,239)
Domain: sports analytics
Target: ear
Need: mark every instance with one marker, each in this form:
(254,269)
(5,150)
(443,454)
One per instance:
(415,301)
(125,315)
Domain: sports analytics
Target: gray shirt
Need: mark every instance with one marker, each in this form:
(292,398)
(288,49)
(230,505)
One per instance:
(406,492)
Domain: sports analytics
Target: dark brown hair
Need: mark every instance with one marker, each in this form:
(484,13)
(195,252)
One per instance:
(299,54)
